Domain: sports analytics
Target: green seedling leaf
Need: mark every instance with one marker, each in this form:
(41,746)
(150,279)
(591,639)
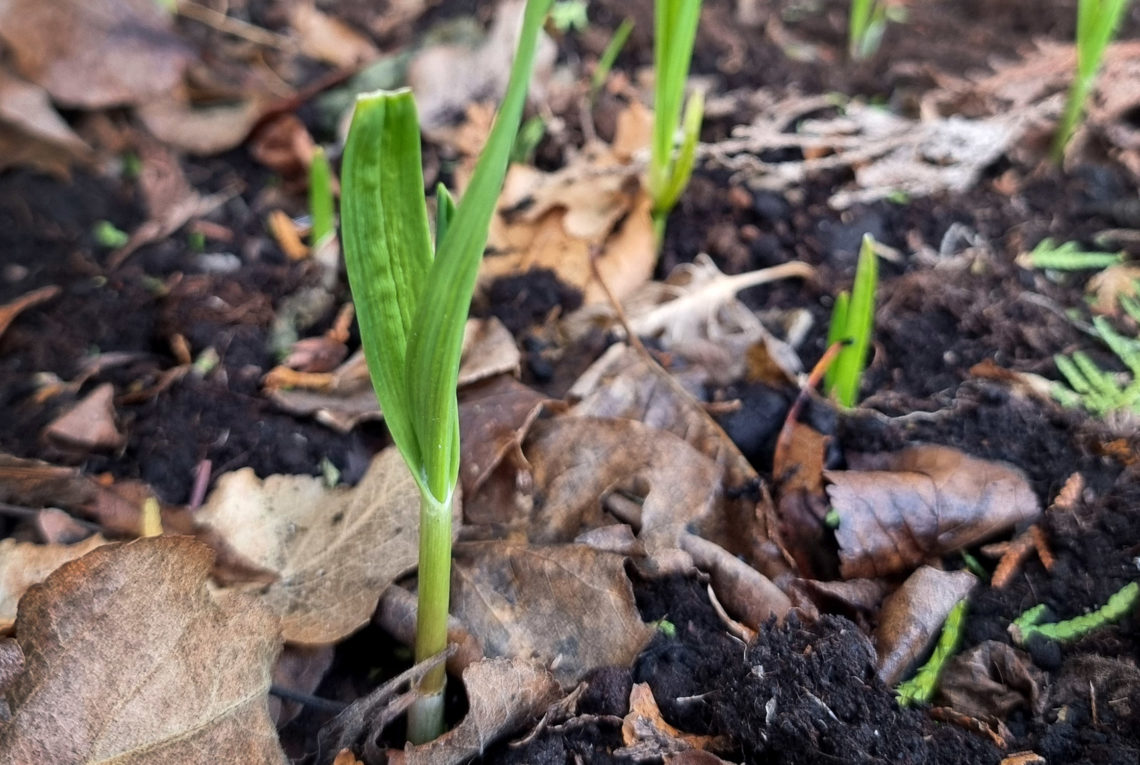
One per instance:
(106,234)
(609,56)
(1069,257)
(682,168)
(321,199)
(1029,623)
(444,212)
(527,140)
(920,688)
(866,24)
(836,332)
(858,322)
(569,15)
(1125,348)
(388,251)
(434,349)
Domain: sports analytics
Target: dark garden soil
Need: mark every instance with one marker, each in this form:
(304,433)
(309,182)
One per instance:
(803,692)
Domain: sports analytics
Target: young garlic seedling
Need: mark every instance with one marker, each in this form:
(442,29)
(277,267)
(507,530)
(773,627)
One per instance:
(675,31)
(853,319)
(412,301)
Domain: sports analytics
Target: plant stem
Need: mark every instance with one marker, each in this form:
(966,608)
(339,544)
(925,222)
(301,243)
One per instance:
(425,718)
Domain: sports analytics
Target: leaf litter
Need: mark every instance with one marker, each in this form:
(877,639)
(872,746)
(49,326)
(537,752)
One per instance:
(634,481)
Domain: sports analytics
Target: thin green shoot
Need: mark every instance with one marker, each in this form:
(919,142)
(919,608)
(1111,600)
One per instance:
(920,688)
(866,23)
(609,56)
(412,298)
(1030,623)
(107,234)
(526,142)
(853,320)
(1067,256)
(1097,22)
(321,207)
(569,16)
(1097,391)
(675,30)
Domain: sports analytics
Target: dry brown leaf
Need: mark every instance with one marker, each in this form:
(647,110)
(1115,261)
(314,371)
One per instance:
(991,680)
(647,735)
(504,696)
(593,206)
(921,502)
(446,78)
(32,133)
(622,384)
(346,757)
(1110,285)
(327,39)
(94,53)
(344,398)
(23,564)
(11,665)
(202,130)
(494,418)
(89,425)
(130,658)
(747,593)
(9,311)
(567,606)
(284,145)
(334,550)
(578,460)
(299,668)
(912,618)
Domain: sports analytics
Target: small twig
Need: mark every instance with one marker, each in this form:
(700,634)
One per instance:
(623,319)
(31,513)
(235,27)
(1016,553)
(315,702)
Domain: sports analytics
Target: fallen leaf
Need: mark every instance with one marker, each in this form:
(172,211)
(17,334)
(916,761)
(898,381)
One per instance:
(23,564)
(494,418)
(9,311)
(334,551)
(504,695)
(346,757)
(284,145)
(578,460)
(990,681)
(129,657)
(89,425)
(921,502)
(299,668)
(32,133)
(328,39)
(200,129)
(912,618)
(747,593)
(647,735)
(94,54)
(489,349)
(1110,285)
(11,665)
(593,207)
(622,384)
(568,607)
(447,77)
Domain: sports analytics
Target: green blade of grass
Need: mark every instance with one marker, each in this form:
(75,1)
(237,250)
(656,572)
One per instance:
(836,332)
(609,56)
(435,345)
(859,321)
(675,27)
(444,213)
(682,168)
(321,199)
(387,247)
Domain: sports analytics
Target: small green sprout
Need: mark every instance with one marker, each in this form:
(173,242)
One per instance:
(666,628)
(852,320)
(1030,623)
(866,22)
(569,15)
(920,688)
(675,29)
(527,140)
(609,56)
(1097,22)
(321,207)
(412,300)
(1098,391)
(1067,257)
(106,234)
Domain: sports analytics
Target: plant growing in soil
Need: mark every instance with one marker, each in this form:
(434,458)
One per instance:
(866,22)
(1097,22)
(321,207)
(1029,624)
(1095,389)
(920,688)
(412,301)
(675,31)
(852,320)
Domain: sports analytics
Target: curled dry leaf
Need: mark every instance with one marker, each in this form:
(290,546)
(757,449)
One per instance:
(298,668)
(334,550)
(647,735)
(23,564)
(327,39)
(991,680)
(578,460)
(89,425)
(912,618)
(567,606)
(504,695)
(622,384)
(32,133)
(93,54)
(494,418)
(921,502)
(9,311)
(130,658)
